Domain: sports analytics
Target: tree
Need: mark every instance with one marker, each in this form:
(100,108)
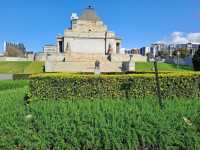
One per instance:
(163,53)
(196,60)
(183,52)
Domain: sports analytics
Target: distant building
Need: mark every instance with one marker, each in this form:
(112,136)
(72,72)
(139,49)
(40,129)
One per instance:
(127,51)
(190,47)
(170,48)
(132,51)
(145,50)
(156,47)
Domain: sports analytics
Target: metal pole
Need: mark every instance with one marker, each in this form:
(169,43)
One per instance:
(106,34)
(158,84)
(178,54)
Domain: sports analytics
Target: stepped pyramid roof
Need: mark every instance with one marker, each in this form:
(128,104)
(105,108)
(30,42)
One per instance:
(89,14)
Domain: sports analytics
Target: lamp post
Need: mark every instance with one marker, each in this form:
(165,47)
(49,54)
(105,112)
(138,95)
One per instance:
(178,59)
(158,91)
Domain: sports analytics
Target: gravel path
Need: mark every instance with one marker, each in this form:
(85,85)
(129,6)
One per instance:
(6,76)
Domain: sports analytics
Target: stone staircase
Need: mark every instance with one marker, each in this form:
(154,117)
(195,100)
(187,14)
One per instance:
(81,67)
(82,63)
(85,62)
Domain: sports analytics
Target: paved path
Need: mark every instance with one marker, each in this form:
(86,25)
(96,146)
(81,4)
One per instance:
(6,76)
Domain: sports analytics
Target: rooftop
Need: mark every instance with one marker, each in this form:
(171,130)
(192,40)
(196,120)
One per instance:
(89,14)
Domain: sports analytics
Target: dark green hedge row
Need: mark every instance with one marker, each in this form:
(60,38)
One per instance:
(73,86)
(21,76)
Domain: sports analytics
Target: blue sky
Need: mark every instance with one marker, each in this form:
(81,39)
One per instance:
(138,22)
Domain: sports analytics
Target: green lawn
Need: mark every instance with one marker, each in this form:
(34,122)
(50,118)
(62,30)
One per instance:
(140,66)
(37,67)
(21,67)
(106,124)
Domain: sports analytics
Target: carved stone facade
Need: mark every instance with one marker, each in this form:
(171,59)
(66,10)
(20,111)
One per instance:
(87,34)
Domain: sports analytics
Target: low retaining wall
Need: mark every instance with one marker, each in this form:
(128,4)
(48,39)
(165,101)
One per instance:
(15,59)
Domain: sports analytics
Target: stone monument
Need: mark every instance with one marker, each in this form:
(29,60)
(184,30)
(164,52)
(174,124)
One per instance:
(85,41)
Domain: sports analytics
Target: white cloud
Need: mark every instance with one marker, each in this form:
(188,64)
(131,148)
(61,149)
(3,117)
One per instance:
(178,38)
(194,37)
(182,38)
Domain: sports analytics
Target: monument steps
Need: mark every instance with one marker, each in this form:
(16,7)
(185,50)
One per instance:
(84,66)
(78,57)
(85,62)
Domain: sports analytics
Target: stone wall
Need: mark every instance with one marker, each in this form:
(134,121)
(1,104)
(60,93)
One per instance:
(15,59)
(90,42)
(86,45)
(126,57)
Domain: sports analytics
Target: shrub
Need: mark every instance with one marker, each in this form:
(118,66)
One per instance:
(21,76)
(196,60)
(74,86)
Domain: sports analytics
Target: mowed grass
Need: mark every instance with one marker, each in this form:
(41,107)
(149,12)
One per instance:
(37,67)
(10,84)
(140,66)
(106,124)
(21,67)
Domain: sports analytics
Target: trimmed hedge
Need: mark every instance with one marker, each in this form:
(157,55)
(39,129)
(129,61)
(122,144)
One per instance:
(74,86)
(21,76)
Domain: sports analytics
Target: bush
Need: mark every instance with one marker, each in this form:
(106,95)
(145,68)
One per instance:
(74,86)
(21,76)
(196,60)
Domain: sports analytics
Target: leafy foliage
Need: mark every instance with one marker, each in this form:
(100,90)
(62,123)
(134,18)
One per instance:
(184,52)
(107,124)
(75,86)
(164,53)
(196,60)
(21,76)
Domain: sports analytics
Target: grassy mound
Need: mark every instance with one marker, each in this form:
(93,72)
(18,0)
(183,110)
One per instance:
(21,67)
(113,124)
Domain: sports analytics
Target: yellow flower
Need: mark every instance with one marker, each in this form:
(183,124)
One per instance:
(187,121)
